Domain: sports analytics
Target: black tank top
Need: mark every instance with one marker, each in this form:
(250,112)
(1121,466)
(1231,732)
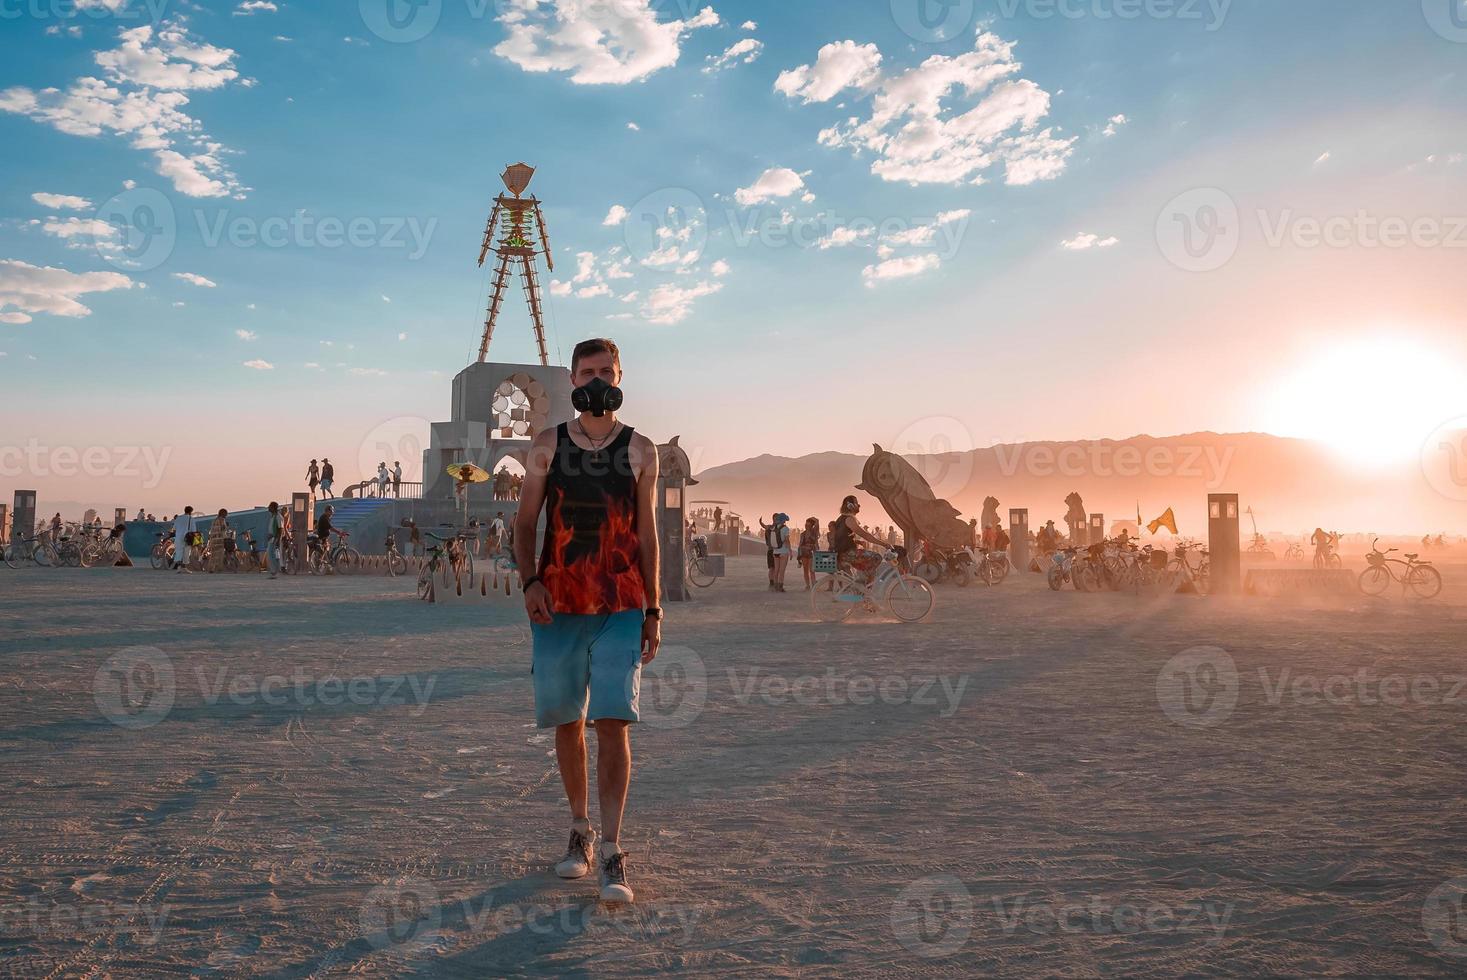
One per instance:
(591,560)
(842,539)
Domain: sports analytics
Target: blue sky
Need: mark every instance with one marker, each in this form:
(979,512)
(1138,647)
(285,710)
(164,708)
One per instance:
(933,296)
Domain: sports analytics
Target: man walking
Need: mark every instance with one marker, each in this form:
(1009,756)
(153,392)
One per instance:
(397,478)
(593,603)
(328,474)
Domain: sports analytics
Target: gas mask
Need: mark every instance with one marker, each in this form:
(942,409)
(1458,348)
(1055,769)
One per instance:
(598,398)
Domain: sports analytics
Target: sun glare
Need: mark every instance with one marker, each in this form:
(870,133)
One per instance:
(1372,400)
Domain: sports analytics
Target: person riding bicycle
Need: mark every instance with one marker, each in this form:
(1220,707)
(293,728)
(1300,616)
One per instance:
(323,531)
(843,540)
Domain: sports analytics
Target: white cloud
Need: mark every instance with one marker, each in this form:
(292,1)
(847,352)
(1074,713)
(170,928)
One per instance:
(670,303)
(246,335)
(558,288)
(746,51)
(948,217)
(68,228)
(313,365)
(368,372)
(250,306)
(615,216)
(842,237)
(386,298)
(774,183)
(142,99)
(179,305)
(402,336)
(840,65)
(902,268)
(920,235)
(250,7)
(44,289)
(196,280)
(593,291)
(1114,124)
(749,25)
(719,269)
(620,316)
(259,365)
(63,202)
(945,121)
(1323,158)
(634,127)
(1085,240)
(595,42)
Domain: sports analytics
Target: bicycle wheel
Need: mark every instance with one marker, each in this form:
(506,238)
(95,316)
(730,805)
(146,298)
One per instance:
(1374,580)
(1425,581)
(347,560)
(1055,577)
(425,582)
(698,573)
(1335,561)
(928,570)
(9,556)
(834,597)
(962,576)
(70,554)
(909,598)
(396,565)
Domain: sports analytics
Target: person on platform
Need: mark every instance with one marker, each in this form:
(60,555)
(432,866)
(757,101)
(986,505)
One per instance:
(328,476)
(383,477)
(313,476)
(397,478)
(593,601)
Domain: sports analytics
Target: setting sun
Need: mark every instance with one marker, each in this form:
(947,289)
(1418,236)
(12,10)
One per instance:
(1372,399)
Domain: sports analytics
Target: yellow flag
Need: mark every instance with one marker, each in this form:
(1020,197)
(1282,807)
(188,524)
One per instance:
(1167,520)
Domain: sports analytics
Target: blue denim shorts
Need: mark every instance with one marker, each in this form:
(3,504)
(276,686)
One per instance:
(587,667)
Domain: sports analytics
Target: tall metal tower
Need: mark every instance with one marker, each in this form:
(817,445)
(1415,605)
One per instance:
(517,246)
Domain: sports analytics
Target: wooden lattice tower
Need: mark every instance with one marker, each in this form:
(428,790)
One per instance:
(517,246)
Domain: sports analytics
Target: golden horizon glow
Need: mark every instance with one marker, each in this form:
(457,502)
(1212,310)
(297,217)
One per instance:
(1371,399)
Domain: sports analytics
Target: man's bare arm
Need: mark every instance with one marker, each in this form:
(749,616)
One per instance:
(532,499)
(651,548)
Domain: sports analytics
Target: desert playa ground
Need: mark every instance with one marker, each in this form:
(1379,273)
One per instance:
(215,775)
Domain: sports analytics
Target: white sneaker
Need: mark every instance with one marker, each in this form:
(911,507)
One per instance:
(577,860)
(614,887)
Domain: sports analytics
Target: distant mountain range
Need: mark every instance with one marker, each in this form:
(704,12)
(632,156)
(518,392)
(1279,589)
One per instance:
(1292,485)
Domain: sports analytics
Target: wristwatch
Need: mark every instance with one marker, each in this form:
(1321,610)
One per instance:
(654,612)
(526,583)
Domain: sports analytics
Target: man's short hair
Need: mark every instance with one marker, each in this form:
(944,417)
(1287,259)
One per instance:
(596,345)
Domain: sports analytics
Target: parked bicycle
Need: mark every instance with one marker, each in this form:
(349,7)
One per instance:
(449,556)
(37,549)
(1413,573)
(907,597)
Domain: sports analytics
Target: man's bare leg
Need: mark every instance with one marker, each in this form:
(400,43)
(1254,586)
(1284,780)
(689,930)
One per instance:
(570,754)
(613,773)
